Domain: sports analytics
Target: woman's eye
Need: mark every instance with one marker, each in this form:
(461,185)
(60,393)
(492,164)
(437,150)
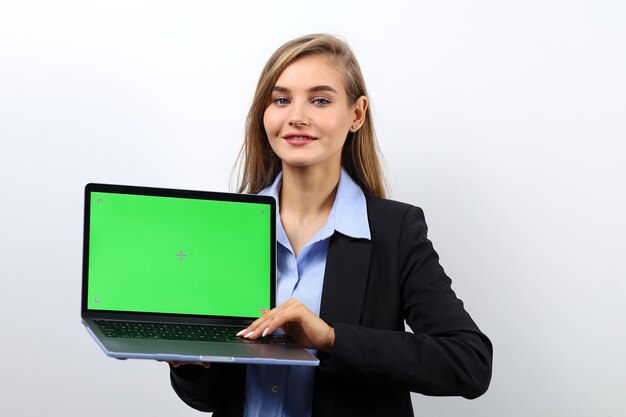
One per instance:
(321,101)
(281,101)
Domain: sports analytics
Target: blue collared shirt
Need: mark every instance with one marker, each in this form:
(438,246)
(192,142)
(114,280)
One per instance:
(287,391)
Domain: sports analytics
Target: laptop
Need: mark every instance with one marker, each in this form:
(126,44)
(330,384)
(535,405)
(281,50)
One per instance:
(173,275)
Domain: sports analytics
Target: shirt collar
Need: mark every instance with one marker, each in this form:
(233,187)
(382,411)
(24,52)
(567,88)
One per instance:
(351,209)
(348,215)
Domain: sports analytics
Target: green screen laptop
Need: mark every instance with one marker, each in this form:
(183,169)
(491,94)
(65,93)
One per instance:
(175,274)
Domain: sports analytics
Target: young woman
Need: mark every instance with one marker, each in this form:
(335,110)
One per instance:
(352,267)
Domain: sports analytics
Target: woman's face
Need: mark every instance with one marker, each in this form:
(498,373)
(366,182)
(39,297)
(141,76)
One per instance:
(309,115)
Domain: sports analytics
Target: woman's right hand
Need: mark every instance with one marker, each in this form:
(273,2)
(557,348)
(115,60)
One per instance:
(176,364)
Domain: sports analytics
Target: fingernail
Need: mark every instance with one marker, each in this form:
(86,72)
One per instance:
(265,332)
(240,333)
(248,335)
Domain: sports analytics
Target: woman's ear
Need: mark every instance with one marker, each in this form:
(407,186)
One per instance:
(360,107)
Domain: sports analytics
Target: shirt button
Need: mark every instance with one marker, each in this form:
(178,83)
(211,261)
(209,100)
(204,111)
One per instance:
(275,389)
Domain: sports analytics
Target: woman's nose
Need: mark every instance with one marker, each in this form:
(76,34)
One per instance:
(297,123)
(298,116)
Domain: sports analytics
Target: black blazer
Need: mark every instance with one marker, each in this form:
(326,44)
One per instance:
(370,288)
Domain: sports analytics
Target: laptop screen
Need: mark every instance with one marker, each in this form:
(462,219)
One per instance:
(164,254)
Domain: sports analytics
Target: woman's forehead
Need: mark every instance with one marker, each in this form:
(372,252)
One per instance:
(309,72)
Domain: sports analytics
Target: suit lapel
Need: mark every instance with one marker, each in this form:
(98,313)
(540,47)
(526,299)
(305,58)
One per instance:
(345,279)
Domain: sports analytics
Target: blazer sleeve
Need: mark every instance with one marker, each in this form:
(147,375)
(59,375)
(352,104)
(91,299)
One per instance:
(445,355)
(218,389)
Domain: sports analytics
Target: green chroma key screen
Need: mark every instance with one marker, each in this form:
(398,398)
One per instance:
(178,255)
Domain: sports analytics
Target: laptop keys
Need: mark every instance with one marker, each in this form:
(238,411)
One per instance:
(172,331)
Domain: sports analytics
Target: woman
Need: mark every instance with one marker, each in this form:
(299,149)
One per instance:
(352,267)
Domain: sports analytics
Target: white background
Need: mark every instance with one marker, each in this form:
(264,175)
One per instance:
(504,120)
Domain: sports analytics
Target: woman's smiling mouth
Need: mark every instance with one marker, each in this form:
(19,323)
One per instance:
(299,139)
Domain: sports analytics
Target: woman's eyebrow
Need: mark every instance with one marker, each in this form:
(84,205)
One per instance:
(317,88)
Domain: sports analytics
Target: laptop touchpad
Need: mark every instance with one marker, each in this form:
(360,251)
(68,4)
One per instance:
(208,349)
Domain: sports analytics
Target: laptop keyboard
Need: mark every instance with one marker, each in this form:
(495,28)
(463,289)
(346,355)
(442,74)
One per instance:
(171,331)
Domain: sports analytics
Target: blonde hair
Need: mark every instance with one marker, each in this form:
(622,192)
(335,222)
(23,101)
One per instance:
(259,165)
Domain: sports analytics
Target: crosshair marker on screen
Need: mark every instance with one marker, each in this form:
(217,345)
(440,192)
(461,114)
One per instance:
(181,255)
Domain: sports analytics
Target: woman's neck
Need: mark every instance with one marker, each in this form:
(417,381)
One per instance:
(307,196)
(306,190)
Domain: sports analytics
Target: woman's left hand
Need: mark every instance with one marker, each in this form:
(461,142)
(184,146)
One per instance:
(298,322)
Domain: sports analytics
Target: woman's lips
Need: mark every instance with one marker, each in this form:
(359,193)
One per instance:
(298,139)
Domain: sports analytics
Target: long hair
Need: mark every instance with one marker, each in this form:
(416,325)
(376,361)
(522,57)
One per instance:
(259,165)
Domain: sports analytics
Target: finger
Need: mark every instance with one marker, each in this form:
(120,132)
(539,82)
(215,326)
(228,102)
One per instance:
(266,324)
(257,329)
(248,329)
(269,316)
(252,329)
(177,364)
(258,325)
(281,318)
(275,318)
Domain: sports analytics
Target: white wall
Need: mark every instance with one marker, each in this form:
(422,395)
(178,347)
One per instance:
(504,120)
